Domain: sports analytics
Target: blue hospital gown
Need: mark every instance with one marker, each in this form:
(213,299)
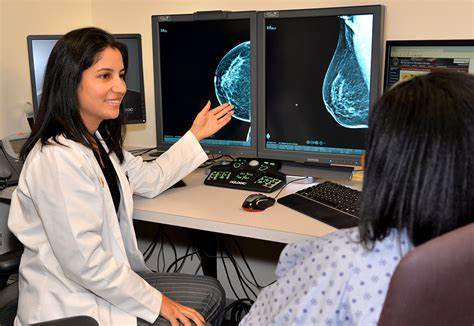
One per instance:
(331,280)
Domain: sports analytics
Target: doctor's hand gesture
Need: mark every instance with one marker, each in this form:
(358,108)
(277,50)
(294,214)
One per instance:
(208,121)
(174,312)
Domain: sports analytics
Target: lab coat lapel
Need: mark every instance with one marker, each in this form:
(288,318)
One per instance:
(127,196)
(135,257)
(116,230)
(126,199)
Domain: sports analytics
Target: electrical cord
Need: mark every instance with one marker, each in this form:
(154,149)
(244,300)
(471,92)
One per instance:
(183,259)
(213,160)
(161,252)
(239,311)
(236,308)
(256,284)
(248,284)
(199,268)
(299,179)
(228,277)
(242,281)
(149,251)
(173,247)
(141,151)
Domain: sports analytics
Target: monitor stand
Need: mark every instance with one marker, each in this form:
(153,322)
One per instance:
(319,172)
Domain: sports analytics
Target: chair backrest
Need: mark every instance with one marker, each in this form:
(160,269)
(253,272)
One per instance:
(434,283)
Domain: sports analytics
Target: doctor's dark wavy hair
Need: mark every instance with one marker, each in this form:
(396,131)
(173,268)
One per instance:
(58,112)
(420,161)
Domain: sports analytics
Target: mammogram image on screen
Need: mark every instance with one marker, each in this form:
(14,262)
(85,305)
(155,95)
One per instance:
(317,82)
(201,61)
(232,80)
(346,88)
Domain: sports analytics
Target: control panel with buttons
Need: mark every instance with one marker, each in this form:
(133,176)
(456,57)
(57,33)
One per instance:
(247,174)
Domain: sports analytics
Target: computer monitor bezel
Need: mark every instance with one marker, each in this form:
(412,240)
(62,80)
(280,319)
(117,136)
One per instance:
(417,43)
(375,80)
(31,38)
(207,16)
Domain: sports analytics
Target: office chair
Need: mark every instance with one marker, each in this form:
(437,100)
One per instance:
(434,283)
(9,264)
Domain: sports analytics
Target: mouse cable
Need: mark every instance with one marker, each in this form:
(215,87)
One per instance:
(299,179)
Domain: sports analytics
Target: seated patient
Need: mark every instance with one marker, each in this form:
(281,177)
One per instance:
(418,185)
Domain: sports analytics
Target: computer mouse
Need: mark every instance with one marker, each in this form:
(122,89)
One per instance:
(257,202)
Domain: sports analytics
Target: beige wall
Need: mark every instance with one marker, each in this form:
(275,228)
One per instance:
(19,18)
(415,19)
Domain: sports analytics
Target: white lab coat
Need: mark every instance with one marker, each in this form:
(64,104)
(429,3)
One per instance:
(78,258)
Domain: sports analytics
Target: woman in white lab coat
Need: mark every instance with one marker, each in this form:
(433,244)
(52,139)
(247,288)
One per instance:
(72,209)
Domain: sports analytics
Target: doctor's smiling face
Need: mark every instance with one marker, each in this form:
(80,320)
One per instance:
(101,89)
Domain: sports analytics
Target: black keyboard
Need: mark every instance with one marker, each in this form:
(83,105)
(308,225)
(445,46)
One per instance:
(328,202)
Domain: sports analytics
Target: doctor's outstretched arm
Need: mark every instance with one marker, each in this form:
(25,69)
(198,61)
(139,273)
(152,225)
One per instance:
(149,179)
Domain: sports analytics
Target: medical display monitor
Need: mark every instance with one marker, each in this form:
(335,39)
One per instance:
(319,73)
(406,59)
(200,57)
(133,104)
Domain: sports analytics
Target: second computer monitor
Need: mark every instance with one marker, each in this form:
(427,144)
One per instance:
(319,72)
(406,59)
(133,106)
(200,57)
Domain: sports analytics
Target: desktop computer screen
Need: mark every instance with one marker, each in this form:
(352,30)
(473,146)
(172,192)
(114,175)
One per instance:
(200,57)
(406,59)
(319,73)
(133,104)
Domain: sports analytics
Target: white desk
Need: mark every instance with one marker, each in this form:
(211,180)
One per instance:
(219,210)
(214,209)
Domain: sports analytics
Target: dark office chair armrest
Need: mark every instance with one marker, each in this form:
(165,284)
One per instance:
(10,261)
(9,264)
(70,321)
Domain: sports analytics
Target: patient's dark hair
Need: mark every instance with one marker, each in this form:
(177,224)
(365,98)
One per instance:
(420,161)
(58,112)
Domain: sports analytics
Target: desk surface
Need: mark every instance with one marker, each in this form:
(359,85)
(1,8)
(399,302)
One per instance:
(214,209)
(198,206)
